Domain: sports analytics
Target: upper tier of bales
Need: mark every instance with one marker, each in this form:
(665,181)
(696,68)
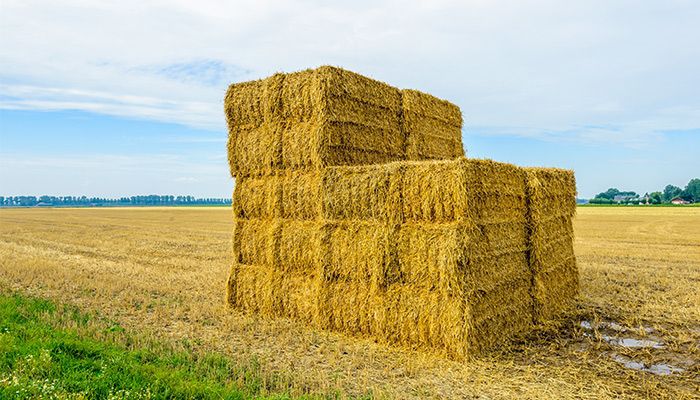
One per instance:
(329,116)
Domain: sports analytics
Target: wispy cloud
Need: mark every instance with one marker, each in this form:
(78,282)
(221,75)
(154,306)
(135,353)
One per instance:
(205,72)
(596,72)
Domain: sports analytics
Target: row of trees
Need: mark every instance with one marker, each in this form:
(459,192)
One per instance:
(691,193)
(149,200)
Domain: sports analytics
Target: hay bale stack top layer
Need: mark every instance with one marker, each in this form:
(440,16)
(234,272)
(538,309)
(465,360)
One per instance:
(329,116)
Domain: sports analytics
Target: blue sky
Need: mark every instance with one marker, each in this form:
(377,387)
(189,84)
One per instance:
(125,98)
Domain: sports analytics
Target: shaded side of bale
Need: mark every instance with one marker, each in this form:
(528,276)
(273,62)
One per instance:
(498,282)
(432,127)
(231,284)
(552,205)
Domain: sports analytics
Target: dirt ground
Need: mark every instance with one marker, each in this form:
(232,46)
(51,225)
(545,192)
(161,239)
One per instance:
(161,272)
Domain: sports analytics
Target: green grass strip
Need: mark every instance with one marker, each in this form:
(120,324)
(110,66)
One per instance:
(48,351)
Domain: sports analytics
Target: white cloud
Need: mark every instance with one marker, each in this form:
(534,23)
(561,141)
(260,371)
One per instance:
(553,70)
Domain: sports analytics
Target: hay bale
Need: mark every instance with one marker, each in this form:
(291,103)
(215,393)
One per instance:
(358,251)
(551,206)
(435,191)
(432,127)
(369,193)
(337,117)
(255,133)
(256,242)
(302,246)
(255,289)
(329,116)
(301,194)
(257,197)
(431,256)
(420,317)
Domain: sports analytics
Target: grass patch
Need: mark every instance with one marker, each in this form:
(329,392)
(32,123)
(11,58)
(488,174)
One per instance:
(51,351)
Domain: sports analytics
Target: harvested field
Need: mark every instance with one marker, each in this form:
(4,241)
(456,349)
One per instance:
(161,272)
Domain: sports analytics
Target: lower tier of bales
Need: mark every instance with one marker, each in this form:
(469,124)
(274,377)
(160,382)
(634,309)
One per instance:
(435,253)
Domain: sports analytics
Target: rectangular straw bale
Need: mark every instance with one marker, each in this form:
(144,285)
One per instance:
(255,128)
(337,117)
(551,195)
(483,274)
(257,197)
(433,127)
(328,116)
(349,306)
(417,316)
(255,151)
(302,246)
(301,194)
(512,322)
(497,191)
(359,252)
(371,193)
(243,105)
(555,290)
(435,191)
(431,256)
(299,295)
(256,242)
(552,191)
(253,288)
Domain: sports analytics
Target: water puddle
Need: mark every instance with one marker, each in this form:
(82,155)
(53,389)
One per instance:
(632,343)
(628,342)
(656,369)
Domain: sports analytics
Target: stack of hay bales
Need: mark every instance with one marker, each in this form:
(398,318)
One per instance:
(328,116)
(340,224)
(551,208)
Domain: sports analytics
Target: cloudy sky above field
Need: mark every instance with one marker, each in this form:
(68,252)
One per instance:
(125,97)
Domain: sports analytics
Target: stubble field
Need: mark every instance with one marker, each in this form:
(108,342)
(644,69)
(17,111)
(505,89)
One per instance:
(160,272)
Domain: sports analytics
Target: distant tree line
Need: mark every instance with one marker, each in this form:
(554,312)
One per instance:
(84,201)
(691,194)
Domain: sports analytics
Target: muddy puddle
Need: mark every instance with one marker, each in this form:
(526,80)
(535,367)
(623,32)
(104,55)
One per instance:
(656,369)
(618,335)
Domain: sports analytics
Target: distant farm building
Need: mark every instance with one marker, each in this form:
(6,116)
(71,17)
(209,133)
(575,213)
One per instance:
(678,200)
(624,198)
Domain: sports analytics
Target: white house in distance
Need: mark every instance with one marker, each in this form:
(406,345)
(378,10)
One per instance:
(678,200)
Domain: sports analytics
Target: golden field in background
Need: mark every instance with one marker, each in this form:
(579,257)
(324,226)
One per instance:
(161,272)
